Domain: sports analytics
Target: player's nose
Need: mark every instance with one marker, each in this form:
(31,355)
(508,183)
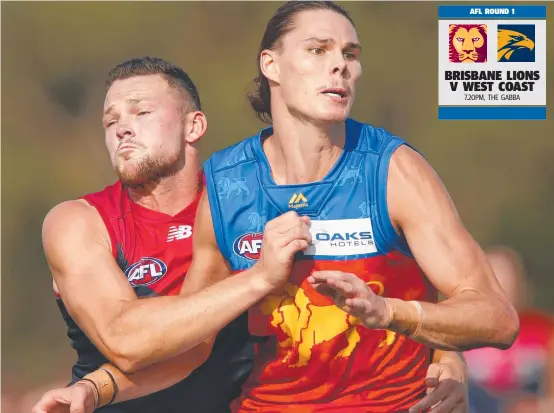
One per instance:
(124,130)
(338,66)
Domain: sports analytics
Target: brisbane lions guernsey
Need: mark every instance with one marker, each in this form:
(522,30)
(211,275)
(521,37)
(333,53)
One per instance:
(317,358)
(154,252)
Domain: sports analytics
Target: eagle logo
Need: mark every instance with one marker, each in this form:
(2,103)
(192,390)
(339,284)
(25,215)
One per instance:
(516,43)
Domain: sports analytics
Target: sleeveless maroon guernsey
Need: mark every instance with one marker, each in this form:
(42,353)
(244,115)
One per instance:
(154,252)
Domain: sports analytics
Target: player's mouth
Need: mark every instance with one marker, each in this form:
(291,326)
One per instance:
(336,94)
(126,148)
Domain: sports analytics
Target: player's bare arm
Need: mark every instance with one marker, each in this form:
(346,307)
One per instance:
(109,384)
(92,286)
(208,268)
(476,312)
(99,298)
(98,388)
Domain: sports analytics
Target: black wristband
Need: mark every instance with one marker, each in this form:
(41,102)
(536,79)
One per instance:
(115,388)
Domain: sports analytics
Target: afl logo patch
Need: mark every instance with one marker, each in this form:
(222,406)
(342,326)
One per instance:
(248,245)
(146,271)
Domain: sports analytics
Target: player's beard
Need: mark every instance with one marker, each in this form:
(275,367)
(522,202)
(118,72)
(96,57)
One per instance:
(137,173)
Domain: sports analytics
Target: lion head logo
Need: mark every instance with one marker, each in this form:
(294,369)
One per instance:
(307,321)
(467,43)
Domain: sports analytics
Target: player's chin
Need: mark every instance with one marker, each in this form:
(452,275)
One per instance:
(336,116)
(131,175)
(133,181)
(334,113)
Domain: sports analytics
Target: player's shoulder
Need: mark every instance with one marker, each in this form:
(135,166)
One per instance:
(73,212)
(73,218)
(71,230)
(233,155)
(372,138)
(382,142)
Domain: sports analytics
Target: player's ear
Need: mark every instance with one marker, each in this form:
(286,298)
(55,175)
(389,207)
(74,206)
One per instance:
(195,126)
(269,65)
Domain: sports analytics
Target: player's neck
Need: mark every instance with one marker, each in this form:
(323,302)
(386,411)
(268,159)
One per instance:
(172,194)
(301,152)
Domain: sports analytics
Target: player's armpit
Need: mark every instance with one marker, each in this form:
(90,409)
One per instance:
(476,312)
(92,286)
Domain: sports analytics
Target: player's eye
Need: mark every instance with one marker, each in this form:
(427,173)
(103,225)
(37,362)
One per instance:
(349,56)
(143,112)
(110,123)
(317,50)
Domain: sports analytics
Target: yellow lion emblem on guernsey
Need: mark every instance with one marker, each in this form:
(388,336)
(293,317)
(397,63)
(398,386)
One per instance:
(307,325)
(467,43)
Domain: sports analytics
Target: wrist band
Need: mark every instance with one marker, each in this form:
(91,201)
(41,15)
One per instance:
(105,386)
(417,305)
(390,314)
(95,389)
(115,388)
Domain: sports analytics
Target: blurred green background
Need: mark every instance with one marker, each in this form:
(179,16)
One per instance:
(54,60)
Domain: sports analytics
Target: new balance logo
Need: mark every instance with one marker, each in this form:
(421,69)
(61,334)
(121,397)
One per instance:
(298,201)
(179,232)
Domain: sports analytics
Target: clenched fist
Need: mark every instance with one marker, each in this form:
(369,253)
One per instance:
(284,236)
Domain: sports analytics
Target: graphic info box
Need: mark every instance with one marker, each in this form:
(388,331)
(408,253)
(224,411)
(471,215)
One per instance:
(492,62)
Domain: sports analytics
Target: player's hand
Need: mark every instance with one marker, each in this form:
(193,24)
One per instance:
(446,390)
(284,236)
(79,398)
(353,295)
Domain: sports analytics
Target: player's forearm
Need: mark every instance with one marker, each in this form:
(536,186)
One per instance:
(155,329)
(149,380)
(156,377)
(466,321)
